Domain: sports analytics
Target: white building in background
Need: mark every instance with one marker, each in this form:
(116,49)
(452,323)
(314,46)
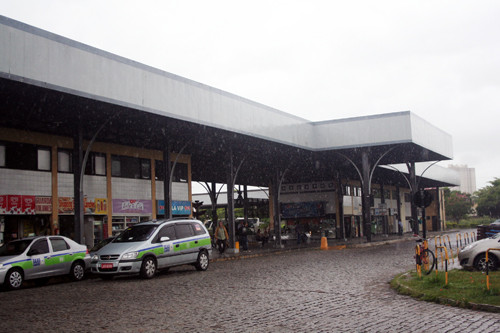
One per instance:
(467,178)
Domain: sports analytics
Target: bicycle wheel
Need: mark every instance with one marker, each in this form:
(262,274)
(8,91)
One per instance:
(428,261)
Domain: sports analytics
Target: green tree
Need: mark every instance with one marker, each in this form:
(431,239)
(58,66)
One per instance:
(458,204)
(488,200)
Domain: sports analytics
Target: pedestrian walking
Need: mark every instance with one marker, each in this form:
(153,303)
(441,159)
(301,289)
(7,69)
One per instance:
(400,226)
(221,237)
(243,235)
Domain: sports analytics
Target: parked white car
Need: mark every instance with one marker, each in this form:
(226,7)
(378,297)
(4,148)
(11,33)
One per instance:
(41,258)
(474,254)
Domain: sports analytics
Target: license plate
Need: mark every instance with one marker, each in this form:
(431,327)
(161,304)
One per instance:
(107,266)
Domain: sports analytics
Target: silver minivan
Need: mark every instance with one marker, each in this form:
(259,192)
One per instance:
(149,246)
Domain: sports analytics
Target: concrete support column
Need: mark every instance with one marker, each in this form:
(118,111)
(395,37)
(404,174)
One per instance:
(78,170)
(365,199)
(414,189)
(276,204)
(167,183)
(230,202)
(54,224)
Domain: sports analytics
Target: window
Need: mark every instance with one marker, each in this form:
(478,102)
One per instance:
(198,230)
(347,190)
(96,164)
(64,161)
(41,246)
(145,169)
(183,230)
(116,170)
(407,197)
(44,159)
(58,244)
(2,156)
(167,231)
(180,172)
(130,167)
(99,164)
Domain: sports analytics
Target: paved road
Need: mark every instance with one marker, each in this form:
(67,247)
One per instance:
(309,291)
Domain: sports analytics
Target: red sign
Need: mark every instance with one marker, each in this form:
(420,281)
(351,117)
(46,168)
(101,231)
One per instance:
(3,204)
(28,204)
(14,204)
(17,204)
(66,205)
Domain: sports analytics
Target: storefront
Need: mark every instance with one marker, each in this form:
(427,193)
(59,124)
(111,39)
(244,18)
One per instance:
(24,216)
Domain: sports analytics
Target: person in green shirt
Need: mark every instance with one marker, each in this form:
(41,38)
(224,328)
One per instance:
(221,237)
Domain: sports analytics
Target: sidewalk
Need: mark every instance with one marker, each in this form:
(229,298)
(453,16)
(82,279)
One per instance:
(256,250)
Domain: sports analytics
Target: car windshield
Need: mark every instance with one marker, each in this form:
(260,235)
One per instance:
(15,247)
(101,244)
(136,233)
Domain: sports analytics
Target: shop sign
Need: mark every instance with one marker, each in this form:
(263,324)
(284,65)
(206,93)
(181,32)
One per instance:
(66,205)
(17,204)
(178,207)
(43,205)
(130,206)
(302,209)
(3,204)
(89,205)
(101,206)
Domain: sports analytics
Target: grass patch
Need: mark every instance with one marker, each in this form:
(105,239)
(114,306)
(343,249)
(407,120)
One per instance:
(465,288)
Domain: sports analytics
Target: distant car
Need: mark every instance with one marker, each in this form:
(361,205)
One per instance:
(146,247)
(495,223)
(474,254)
(40,258)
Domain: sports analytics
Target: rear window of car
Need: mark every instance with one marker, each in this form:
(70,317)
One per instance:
(58,244)
(198,229)
(137,233)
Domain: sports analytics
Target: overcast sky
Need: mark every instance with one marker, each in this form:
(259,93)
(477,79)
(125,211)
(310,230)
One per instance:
(319,60)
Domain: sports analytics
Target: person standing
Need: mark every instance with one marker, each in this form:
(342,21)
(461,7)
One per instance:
(244,235)
(400,226)
(221,237)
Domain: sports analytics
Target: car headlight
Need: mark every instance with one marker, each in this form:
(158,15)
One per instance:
(130,255)
(95,257)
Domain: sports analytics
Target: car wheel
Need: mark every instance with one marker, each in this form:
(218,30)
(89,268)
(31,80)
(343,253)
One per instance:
(14,279)
(480,262)
(202,261)
(77,271)
(148,268)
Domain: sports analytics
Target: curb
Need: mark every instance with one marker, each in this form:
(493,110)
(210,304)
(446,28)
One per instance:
(398,287)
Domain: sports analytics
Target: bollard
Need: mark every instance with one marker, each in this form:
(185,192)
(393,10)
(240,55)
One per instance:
(237,246)
(417,259)
(324,243)
(445,264)
(451,250)
(488,267)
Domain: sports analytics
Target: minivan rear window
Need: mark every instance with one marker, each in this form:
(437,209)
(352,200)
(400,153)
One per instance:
(137,233)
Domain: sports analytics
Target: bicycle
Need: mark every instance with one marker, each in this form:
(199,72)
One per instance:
(424,258)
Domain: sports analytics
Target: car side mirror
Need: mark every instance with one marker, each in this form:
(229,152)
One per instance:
(164,239)
(33,252)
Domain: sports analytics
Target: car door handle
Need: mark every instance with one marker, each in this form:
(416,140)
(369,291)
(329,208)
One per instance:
(177,245)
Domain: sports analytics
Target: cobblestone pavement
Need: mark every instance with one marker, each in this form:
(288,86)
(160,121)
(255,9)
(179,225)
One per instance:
(300,291)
